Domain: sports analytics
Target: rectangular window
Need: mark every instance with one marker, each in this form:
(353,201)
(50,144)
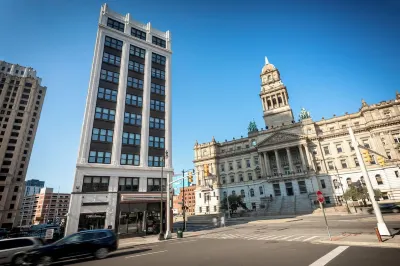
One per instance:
(113,43)
(138,33)
(134,100)
(351,146)
(388,154)
(100,157)
(157,123)
(158,89)
(222,167)
(130,159)
(109,76)
(128,184)
(343,163)
(159,59)
(130,138)
(327,200)
(95,183)
(155,161)
(135,66)
(250,176)
(157,73)
(230,166)
(115,24)
(319,166)
(154,184)
(356,162)
(248,165)
(105,114)
(323,183)
(135,83)
(133,119)
(159,42)
(104,135)
(111,59)
(339,148)
(137,51)
(396,173)
(239,164)
(365,143)
(157,105)
(326,150)
(156,142)
(331,166)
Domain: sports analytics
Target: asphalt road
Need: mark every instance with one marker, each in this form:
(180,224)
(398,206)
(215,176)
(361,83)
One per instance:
(206,252)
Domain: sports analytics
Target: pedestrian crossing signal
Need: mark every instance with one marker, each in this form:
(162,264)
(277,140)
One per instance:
(381,161)
(366,156)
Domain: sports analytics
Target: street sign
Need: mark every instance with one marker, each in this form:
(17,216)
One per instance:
(320,197)
(49,234)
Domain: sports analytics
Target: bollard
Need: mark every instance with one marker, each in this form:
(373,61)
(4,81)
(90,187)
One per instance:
(378,234)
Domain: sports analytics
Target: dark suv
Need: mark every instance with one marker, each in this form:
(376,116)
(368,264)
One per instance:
(97,243)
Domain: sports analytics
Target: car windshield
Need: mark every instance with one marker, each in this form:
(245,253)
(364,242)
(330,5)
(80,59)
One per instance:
(69,239)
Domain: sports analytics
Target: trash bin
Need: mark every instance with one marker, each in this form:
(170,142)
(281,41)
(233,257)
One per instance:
(179,233)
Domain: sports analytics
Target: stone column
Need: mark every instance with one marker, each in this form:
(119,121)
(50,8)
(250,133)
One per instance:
(303,163)
(120,109)
(263,166)
(267,164)
(290,159)
(278,162)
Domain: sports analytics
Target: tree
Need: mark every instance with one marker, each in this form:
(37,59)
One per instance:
(358,192)
(234,202)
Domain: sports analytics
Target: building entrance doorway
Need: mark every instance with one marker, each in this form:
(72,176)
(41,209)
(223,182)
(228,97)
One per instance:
(289,188)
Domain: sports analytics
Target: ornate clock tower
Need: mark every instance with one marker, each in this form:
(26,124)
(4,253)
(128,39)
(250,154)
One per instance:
(274,97)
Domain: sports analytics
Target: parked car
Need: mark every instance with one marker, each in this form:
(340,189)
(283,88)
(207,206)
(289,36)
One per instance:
(13,250)
(387,208)
(98,243)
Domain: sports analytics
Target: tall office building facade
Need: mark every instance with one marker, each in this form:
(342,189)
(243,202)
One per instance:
(126,135)
(21,99)
(33,187)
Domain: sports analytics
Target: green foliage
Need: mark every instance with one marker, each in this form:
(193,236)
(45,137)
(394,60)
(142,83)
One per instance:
(355,193)
(235,201)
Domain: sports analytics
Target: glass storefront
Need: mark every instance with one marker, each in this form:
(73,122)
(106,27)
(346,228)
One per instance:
(91,221)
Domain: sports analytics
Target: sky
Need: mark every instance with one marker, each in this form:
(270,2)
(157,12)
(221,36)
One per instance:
(331,54)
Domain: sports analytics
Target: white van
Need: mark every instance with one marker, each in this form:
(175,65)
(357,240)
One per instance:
(12,250)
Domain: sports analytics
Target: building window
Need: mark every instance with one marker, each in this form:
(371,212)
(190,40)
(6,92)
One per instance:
(135,66)
(133,119)
(200,209)
(233,192)
(366,143)
(362,181)
(154,184)
(156,142)
(319,166)
(95,183)
(9,215)
(138,33)
(330,166)
(128,184)
(115,24)
(130,138)
(104,135)
(379,179)
(135,83)
(155,161)
(249,176)
(111,59)
(222,167)
(388,154)
(137,51)
(109,76)
(100,157)
(215,208)
(326,150)
(157,73)
(248,165)
(348,180)
(158,89)
(240,178)
(356,162)
(327,200)
(134,100)
(343,163)
(396,173)
(323,183)
(339,148)
(113,43)
(230,166)
(251,192)
(130,159)
(157,123)
(157,105)
(232,179)
(159,42)
(351,146)
(105,114)
(261,190)
(239,164)
(159,59)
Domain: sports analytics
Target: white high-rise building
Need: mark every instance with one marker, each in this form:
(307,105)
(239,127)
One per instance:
(126,134)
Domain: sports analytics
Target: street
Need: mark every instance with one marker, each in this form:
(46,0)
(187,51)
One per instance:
(286,241)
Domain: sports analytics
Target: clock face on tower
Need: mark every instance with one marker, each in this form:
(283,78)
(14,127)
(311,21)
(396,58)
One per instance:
(254,143)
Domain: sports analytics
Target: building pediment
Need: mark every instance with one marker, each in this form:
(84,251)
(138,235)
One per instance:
(279,137)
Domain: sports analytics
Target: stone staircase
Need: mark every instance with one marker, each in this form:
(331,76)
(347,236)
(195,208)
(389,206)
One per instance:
(288,205)
(203,219)
(303,204)
(274,207)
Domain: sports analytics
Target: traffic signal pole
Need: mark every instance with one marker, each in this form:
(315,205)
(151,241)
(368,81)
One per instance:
(183,201)
(383,230)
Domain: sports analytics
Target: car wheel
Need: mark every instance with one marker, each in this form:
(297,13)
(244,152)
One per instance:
(395,210)
(44,261)
(101,253)
(18,260)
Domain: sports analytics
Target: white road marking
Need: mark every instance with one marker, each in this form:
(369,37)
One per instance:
(285,237)
(310,238)
(150,253)
(181,242)
(274,237)
(330,256)
(266,237)
(251,237)
(296,238)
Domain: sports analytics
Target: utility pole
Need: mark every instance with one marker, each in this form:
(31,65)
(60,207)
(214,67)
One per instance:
(383,230)
(341,185)
(227,199)
(183,201)
(161,235)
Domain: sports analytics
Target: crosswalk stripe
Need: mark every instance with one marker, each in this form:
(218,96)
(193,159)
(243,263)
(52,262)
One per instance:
(250,237)
(274,237)
(310,238)
(266,237)
(284,238)
(297,238)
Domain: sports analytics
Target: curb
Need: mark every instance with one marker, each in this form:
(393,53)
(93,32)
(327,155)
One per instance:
(359,244)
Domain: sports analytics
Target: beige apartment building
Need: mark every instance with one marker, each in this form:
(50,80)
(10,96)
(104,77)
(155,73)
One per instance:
(289,160)
(21,100)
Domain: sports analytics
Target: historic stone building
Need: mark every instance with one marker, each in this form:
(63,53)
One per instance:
(289,161)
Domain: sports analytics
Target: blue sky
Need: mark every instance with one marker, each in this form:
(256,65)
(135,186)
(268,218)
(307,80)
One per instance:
(330,55)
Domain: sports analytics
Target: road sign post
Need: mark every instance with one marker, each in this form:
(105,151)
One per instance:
(321,199)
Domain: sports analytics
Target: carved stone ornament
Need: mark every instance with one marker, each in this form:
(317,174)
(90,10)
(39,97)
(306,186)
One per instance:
(304,114)
(280,137)
(252,127)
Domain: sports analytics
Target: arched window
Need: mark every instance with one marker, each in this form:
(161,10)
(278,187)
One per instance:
(348,180)
(224,194)
(261,190)
(242,193)
(379,179)
(240,177)
(362,181)
(269,77)
(232,179)
(252,192)
(233,192)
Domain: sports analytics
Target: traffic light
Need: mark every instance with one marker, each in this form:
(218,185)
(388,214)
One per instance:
(366,156)
(381,161)
(190,177)
(206,171)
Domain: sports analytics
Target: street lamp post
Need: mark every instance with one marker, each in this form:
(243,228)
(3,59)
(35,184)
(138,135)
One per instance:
(341,185)
(161,235)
